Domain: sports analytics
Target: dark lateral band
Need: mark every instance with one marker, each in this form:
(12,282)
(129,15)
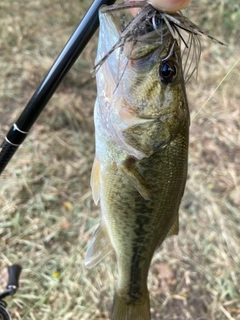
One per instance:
(15,136)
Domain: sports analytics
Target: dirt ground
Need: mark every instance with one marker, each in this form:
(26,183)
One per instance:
(47,214)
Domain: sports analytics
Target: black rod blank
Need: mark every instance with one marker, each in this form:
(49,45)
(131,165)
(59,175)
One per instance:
(43,94)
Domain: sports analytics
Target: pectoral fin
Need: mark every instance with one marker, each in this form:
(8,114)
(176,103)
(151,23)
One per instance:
(99,247)
(174,228)
(135,178)
(96,180)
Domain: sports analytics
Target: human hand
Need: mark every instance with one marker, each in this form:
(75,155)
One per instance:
(164,5)
(169,5)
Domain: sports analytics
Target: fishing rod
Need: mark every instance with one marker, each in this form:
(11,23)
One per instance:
(14,272)
(73,48)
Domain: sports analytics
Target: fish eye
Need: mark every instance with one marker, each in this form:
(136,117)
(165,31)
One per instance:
(167,72)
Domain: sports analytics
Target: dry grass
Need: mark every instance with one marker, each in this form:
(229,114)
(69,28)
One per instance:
(47,213)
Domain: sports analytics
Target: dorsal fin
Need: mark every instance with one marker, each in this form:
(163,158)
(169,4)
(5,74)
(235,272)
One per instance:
(174,228)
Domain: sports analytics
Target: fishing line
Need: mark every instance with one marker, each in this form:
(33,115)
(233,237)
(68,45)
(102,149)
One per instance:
(223,79)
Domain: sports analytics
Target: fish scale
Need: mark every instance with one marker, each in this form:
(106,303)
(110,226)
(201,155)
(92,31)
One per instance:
(136,227)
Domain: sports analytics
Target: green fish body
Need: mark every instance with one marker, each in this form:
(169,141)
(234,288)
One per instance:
(140,168)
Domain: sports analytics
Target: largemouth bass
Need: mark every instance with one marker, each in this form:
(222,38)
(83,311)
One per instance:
(142,132)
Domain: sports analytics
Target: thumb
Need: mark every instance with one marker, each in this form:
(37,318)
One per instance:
(169,5)
(164,5)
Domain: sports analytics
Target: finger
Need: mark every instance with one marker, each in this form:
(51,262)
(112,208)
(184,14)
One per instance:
(134,11)
(164,5)
(169,5)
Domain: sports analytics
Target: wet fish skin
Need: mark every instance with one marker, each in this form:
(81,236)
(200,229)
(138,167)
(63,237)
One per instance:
(140,169)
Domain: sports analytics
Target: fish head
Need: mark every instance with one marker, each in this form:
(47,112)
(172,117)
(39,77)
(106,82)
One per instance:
(141,89)
(152,82)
